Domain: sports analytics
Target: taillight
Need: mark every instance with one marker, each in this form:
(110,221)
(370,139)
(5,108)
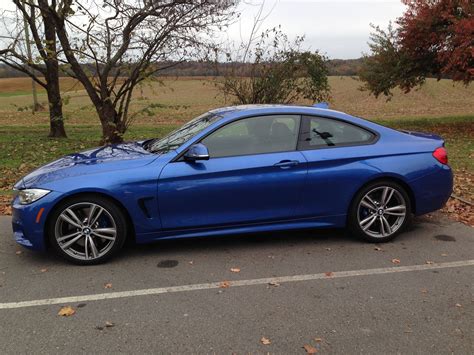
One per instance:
(441,155)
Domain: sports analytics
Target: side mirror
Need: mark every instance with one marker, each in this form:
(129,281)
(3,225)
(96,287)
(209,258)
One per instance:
(197,152)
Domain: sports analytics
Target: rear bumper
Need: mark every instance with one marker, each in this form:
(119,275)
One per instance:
(28,222)
(433,190)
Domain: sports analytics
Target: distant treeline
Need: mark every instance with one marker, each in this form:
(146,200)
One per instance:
(336,67)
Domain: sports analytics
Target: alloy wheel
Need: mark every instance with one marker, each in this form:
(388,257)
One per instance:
(381,212)
(85,231)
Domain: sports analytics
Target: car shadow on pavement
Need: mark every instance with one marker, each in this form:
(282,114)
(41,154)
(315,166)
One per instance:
(242,242)
(329,238)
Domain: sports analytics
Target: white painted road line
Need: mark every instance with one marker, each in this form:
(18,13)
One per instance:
(251,282)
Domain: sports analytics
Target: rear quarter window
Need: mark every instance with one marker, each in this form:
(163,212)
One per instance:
(321,132)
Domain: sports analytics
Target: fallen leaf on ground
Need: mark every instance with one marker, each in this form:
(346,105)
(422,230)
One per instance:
(265,341)
(18,252)
(108,285)
(424,290)
(190,262)
(274,283)
(224,284)
(328,274)
(429,262)
(310,349)
(396,261)
(66,311)
(44,270)
(444,254)
(235,269)
(457,209)
(377,249)
(109,324)
(318,340)
(328,249)
(6,210)
(458,305)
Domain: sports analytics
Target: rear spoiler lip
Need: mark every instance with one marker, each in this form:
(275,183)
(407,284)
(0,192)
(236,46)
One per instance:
(425,135)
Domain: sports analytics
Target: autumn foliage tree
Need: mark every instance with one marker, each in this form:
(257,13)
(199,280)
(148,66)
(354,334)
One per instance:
(434,38)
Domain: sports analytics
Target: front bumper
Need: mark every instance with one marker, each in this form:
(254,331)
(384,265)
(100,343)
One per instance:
(28,221)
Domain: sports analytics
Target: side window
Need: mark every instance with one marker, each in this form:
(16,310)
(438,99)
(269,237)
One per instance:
(320,132)
(254,135)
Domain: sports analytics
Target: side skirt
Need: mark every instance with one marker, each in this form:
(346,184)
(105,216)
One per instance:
(337,221)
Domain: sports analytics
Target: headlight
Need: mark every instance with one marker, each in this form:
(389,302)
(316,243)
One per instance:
(31,195)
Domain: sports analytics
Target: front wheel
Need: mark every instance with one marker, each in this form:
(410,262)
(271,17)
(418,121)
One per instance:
(87,229)
(380,211)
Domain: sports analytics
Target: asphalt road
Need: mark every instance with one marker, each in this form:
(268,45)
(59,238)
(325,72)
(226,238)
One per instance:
(343,296)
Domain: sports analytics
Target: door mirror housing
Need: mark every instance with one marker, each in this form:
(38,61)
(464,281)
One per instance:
(197,152)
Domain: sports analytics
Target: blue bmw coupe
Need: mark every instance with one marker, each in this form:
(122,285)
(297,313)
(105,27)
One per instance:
(234,170)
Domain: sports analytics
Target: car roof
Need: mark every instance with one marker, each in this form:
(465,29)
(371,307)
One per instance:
(259,107)
(233,112)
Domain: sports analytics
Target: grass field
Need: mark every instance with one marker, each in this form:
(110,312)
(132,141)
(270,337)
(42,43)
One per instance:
(180,99)
(438,107)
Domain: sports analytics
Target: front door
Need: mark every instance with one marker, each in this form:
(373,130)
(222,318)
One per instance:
(254,175)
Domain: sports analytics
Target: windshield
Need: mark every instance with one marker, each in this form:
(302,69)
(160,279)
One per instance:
(181,135)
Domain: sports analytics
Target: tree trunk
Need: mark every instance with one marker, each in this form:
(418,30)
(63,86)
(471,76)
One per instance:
(56,123)
(56,119)
(112,132)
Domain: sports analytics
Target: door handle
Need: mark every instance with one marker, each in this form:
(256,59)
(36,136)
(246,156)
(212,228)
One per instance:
(285,164)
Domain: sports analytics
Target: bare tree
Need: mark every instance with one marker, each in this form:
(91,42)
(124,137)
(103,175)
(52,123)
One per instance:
(44,69)
(268,68)
(123,41)
(276,71)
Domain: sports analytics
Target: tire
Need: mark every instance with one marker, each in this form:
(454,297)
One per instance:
(87,229)
(378,221)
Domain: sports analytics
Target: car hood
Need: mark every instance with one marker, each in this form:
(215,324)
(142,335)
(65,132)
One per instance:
(97,160)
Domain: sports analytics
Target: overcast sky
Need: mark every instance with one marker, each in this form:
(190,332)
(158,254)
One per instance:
(338,28)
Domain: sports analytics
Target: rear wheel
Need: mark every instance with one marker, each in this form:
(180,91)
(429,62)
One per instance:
(380,211)
(87,229)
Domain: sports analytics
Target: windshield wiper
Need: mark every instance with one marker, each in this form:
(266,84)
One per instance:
(165,149)
(146,144)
